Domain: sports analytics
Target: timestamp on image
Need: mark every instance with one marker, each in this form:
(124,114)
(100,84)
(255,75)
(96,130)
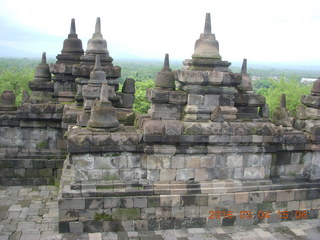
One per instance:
(295,214)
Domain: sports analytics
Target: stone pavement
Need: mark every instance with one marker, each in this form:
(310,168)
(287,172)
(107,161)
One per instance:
(31,213)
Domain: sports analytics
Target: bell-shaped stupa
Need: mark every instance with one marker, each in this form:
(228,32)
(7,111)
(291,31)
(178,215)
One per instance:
(207,46)
(72,47)
(97,45)
(165,78)
(206,54)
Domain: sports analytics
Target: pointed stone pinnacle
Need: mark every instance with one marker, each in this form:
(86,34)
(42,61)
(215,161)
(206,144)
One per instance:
(283,101)
(44,58)
(244,66)
(97,62)
(104,94)
(98,26)
(207,25)
(73,27)
(166,61)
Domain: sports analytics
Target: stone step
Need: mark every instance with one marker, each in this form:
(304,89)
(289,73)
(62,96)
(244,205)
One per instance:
(8,181)
(109,190)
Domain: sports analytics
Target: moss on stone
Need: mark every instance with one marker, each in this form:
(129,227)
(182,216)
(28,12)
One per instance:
(126,214)
(111,177)
(42,145)
(102,217)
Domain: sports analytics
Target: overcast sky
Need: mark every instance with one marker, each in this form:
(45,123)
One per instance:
(260,30)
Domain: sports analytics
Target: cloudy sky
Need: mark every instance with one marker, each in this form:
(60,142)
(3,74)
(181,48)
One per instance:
(260,30)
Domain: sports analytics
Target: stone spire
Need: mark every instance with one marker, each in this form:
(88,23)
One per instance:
(246,83)
(283,103)
(103,115)
(97,45)
(244,67)
(165,78)
(207,25)
(73,27)
(281,115)
(72,45)
(97,76)
(42,72)
(207,46)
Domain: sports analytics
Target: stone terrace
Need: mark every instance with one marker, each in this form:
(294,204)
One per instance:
(30,213)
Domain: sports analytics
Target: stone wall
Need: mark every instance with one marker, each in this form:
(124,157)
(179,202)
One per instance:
(31,155)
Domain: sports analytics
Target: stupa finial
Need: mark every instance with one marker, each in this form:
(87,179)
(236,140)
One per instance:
(207,25)
(166,61)
(244,66)
(98,26)
(44,58)
(97,62)
(283,101)
(73,26)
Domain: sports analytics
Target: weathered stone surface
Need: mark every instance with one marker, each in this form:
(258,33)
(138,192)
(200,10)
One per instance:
(165,78)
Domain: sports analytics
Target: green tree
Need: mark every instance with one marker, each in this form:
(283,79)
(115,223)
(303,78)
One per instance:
(293,89)
(17,81)
(141,103)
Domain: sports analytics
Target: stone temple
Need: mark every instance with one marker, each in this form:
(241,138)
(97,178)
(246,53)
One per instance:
(206,153)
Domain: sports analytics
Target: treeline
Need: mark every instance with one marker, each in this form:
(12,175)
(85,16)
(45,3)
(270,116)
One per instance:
(16,73)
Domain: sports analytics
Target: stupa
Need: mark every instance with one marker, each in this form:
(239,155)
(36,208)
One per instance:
(65,86)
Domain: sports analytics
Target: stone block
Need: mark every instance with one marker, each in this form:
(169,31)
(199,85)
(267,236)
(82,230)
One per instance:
(126,202)
(153,175)
(172,127)
(140,202)
(185,174)
(178,212)
(293,205)
(213,200)
(202,200)
(163,212)
(148,213)
(254,173)
(177,97)
(169,200)
(111,202)
(235,160)
(76,227)
(285,195)
(72,204)
(153,201)
(156,95)
(94,203)
(200,174)
(168,174)
(227,199)
(270,196)
(241,197)
(192,162)
(192,211)
(312,194)
(126,214)
(305,204)
(178,162)
(153,127)
(46,172)
(94,175)
(140,225)
(256,197)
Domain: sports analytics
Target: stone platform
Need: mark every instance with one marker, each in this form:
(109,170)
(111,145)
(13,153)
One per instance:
(31,213)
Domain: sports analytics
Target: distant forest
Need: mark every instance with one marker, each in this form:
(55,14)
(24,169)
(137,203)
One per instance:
(16,73)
